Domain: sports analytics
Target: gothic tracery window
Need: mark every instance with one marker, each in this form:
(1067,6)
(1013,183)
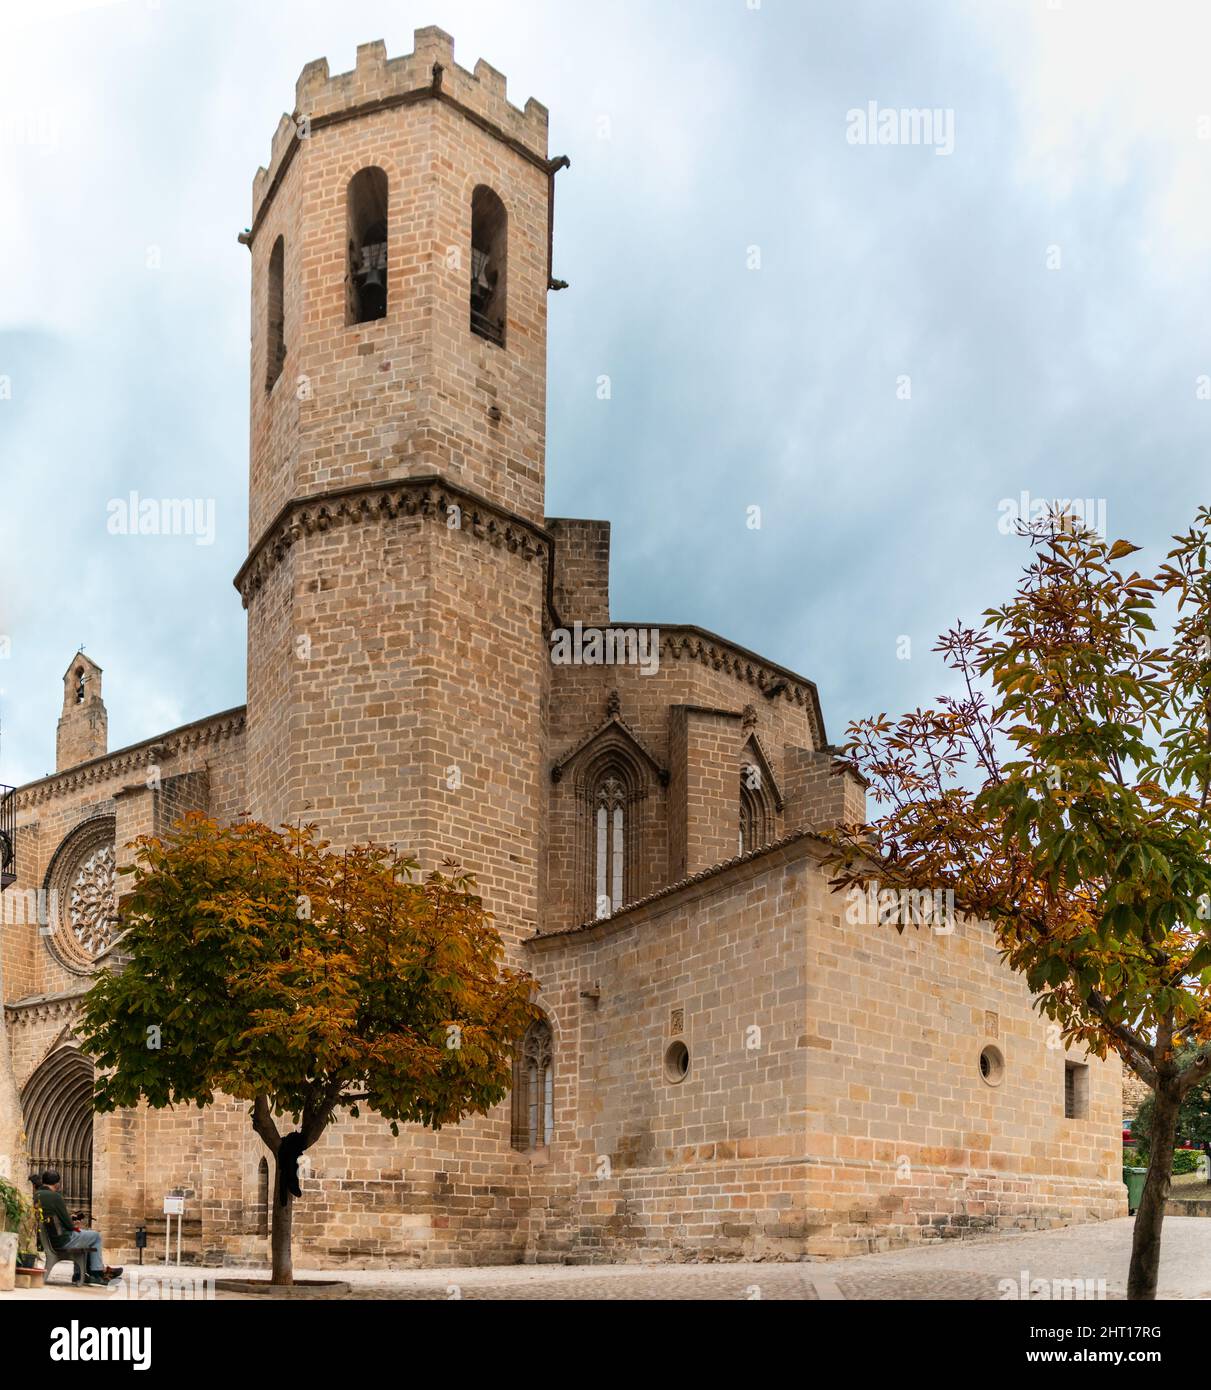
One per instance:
(749,819)
(758,823)
(610,846)
(82,895)
(533,1089)
(92,900)
(613,853)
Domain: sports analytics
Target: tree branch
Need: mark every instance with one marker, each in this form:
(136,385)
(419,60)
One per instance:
(262,1122)
(1197,1071)
(1141,1056)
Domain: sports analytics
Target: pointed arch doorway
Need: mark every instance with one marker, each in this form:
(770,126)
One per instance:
(57,1105)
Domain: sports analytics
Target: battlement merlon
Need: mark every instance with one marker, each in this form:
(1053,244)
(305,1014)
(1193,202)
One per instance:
(378,81)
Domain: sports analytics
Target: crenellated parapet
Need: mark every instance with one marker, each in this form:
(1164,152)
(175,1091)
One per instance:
(377,83)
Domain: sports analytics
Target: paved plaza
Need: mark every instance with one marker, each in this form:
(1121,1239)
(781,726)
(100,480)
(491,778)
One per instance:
(1096,1255)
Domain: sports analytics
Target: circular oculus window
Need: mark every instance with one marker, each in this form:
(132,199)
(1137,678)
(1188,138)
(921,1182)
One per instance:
(676,1062)
(992,1066)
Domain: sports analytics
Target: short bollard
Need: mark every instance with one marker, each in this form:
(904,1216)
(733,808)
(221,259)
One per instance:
(8,1261)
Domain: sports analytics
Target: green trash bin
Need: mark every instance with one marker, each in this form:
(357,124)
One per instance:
(1134,1178)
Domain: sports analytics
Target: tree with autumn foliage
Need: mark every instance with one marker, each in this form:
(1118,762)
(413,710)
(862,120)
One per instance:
(305,981)
(1062,792)
(1194,1117)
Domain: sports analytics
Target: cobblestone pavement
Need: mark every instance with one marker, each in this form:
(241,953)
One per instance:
(969,1269)
(779,1282)
(610,1282)
(973,1269)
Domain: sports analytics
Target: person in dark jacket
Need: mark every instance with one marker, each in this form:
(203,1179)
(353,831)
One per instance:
(66,1235)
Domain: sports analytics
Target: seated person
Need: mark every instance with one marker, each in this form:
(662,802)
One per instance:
(66,1235)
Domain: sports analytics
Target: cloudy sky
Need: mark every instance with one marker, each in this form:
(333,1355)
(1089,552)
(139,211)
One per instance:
(875,344)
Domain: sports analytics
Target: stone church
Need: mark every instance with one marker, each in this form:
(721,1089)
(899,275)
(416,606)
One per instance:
(732,1063)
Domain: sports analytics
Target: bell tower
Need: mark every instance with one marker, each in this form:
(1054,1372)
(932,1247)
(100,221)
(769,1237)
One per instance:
(396,580)
(83,731)
(400,268)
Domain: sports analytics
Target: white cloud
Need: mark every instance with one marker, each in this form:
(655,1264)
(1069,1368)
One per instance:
(124,126)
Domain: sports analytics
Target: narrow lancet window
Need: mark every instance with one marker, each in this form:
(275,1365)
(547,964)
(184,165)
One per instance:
(366,218)
(610,854)
(275,301)
(489,265)
(533,1089)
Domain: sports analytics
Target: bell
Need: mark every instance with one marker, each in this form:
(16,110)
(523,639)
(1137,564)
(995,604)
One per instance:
(483,278)
(371,282)
(373,296)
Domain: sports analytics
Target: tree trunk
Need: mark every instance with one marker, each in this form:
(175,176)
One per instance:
(1146,1237)
(317,1114)
(283,1220)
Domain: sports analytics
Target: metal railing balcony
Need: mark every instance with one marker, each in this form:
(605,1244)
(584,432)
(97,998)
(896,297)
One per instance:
(8,837)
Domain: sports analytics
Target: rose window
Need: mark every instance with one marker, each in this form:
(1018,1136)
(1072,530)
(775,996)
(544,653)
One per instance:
(82,896)
(94,900)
